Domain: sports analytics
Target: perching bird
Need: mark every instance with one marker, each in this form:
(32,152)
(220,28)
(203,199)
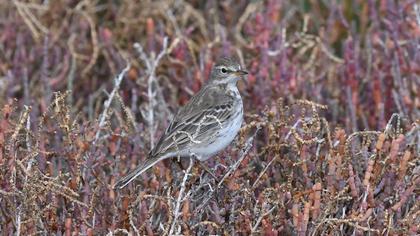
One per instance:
(205,125)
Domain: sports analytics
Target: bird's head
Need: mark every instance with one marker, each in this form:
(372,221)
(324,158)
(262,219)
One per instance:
(226,71)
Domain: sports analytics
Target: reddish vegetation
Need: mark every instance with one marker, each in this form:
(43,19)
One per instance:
(330,143)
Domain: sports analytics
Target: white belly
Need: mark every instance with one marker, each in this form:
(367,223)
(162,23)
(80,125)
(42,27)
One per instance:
(225,137)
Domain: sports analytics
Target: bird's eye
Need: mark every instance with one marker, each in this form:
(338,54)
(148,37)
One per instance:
(224,70)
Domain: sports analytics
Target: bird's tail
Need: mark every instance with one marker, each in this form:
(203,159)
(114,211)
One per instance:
(121,183)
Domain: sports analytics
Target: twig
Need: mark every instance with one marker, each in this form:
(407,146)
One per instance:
(130,217)
(351,109)
(28,143)
(118,232)
(30,20)
(45,74)
(94,37)
(293,127)
(392,128)
(29,166)
(249,10)
(151,64)
(108,102)
(242,155)
(262,172)
(351,222)
(73,68)
(180,197)
(254,228)
(233,168)
(417,11)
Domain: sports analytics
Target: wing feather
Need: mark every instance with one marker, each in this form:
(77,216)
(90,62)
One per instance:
(196,120)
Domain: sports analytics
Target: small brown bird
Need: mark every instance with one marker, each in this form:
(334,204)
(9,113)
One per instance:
(205,125)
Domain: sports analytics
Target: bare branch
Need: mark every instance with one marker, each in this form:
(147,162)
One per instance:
(151,63)
(257,223)
(180,198)
(108,102)
(242,156)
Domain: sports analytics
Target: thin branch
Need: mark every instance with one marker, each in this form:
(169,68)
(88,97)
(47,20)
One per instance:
(28,168)
(262,172)
(180,197)
(233,168)
(242,155)
(257,223)
(151,63)
(108,102)
(417,12)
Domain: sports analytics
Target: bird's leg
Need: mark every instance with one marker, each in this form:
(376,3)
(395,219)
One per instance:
(209,171)
(178,157)
(205,167)
(178,162)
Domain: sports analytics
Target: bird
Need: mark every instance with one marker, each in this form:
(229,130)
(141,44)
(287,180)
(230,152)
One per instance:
(205,125)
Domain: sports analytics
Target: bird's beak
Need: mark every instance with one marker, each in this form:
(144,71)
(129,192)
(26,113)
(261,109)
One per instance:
(240,74)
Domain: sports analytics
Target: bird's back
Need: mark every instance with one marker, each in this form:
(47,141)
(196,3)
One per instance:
(199,121)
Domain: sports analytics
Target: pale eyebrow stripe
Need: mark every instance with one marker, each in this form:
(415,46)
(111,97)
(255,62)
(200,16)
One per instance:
(226,67)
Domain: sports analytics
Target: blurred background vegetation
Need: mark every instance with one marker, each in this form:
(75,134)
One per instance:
(330,143)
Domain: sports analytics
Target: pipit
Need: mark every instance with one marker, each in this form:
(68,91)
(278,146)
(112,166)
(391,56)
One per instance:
(205,125)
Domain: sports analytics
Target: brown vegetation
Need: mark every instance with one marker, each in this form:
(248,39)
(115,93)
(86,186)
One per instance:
(329,146)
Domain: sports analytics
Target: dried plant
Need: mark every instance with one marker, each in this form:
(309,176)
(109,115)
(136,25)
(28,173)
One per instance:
(331,139)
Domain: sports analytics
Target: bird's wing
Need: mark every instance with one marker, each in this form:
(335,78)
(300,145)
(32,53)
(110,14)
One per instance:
(194,122)
(197,120)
